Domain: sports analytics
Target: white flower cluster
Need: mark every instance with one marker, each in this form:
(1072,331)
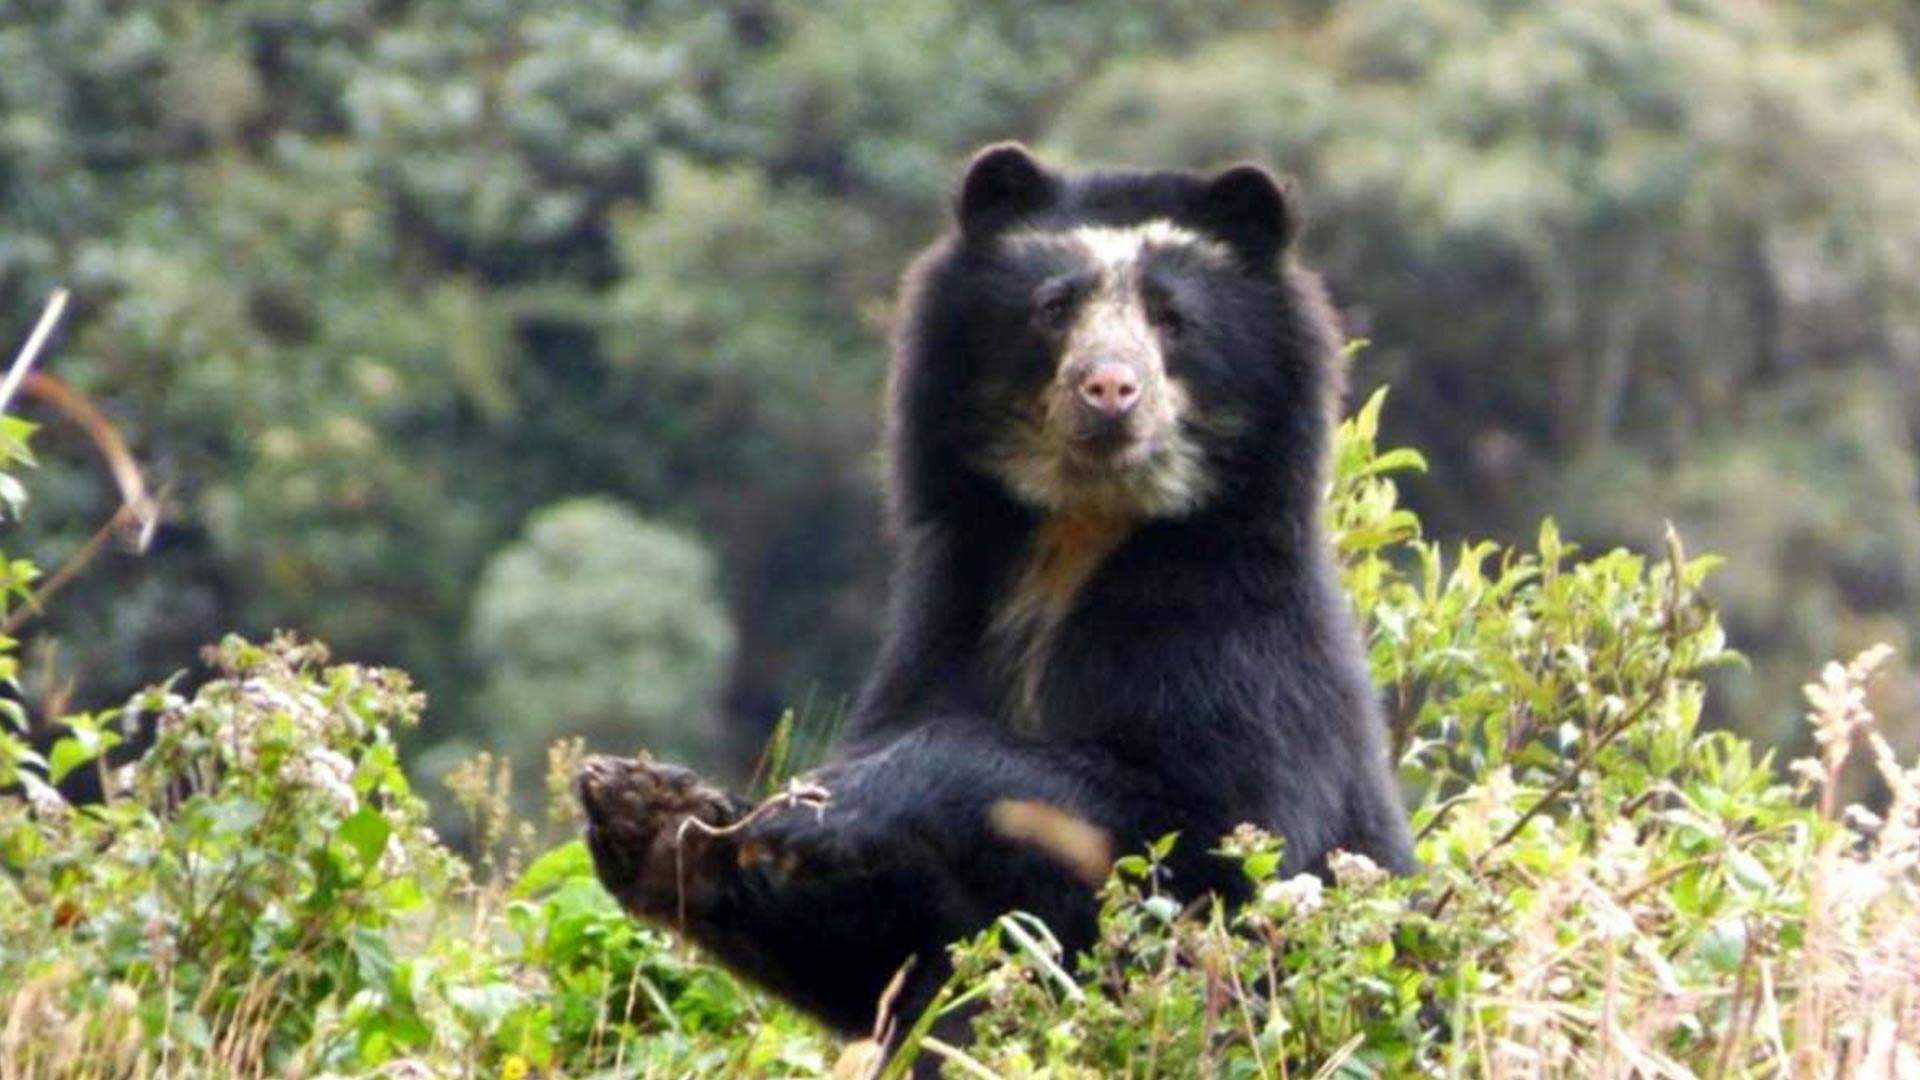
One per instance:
(1302,894)
(326,771)
(257,707)
(1353,870)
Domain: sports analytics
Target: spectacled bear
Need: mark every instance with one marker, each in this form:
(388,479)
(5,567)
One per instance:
(1114,604)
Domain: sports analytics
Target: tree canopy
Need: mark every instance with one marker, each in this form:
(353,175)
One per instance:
(368,284)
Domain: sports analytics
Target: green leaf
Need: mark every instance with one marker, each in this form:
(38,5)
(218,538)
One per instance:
(87,742)
(402,894)
(366,832)
(569,860)
(1260,865)
(67,755)
(1723,945)
(1402,459)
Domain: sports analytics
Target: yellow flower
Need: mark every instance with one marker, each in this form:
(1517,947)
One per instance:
(513,1067)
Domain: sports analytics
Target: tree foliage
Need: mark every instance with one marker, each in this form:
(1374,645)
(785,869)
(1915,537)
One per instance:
(604,625)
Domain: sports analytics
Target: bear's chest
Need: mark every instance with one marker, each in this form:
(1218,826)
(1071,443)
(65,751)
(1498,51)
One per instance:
(1043,587)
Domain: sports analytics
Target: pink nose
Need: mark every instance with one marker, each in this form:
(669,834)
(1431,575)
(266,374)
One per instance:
(1110,388)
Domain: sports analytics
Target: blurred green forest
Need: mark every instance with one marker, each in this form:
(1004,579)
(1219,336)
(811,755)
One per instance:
(535,348)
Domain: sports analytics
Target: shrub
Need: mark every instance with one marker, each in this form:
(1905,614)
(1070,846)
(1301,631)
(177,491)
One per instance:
(1609,890)
(259,894)
(247,869)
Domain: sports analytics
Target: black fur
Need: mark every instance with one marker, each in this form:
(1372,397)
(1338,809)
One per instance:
(1209,673)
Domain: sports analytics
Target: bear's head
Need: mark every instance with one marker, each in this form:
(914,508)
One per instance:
(1128,344)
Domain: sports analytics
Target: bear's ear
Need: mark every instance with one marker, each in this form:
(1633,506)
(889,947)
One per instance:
(1003,184)
(1249,209)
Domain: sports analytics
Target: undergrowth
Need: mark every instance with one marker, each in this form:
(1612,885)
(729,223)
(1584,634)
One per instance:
(1609,890)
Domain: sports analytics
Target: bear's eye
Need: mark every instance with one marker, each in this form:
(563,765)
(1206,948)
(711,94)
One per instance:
(1166,319)
(1053,306)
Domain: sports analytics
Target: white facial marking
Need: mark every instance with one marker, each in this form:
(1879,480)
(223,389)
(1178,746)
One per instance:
(1115,247)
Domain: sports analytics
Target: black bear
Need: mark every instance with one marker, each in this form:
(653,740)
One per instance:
(1114,605)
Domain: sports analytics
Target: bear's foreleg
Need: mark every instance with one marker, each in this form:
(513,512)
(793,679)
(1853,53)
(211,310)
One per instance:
(824,893)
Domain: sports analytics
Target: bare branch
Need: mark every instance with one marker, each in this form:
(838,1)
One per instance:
(23,363)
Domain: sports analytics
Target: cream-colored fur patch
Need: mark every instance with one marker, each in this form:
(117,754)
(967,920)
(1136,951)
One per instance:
(1116,246)
(1063,555)
(1169,478)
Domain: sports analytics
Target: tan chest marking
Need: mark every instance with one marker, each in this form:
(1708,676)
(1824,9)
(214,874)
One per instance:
(1065,552)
